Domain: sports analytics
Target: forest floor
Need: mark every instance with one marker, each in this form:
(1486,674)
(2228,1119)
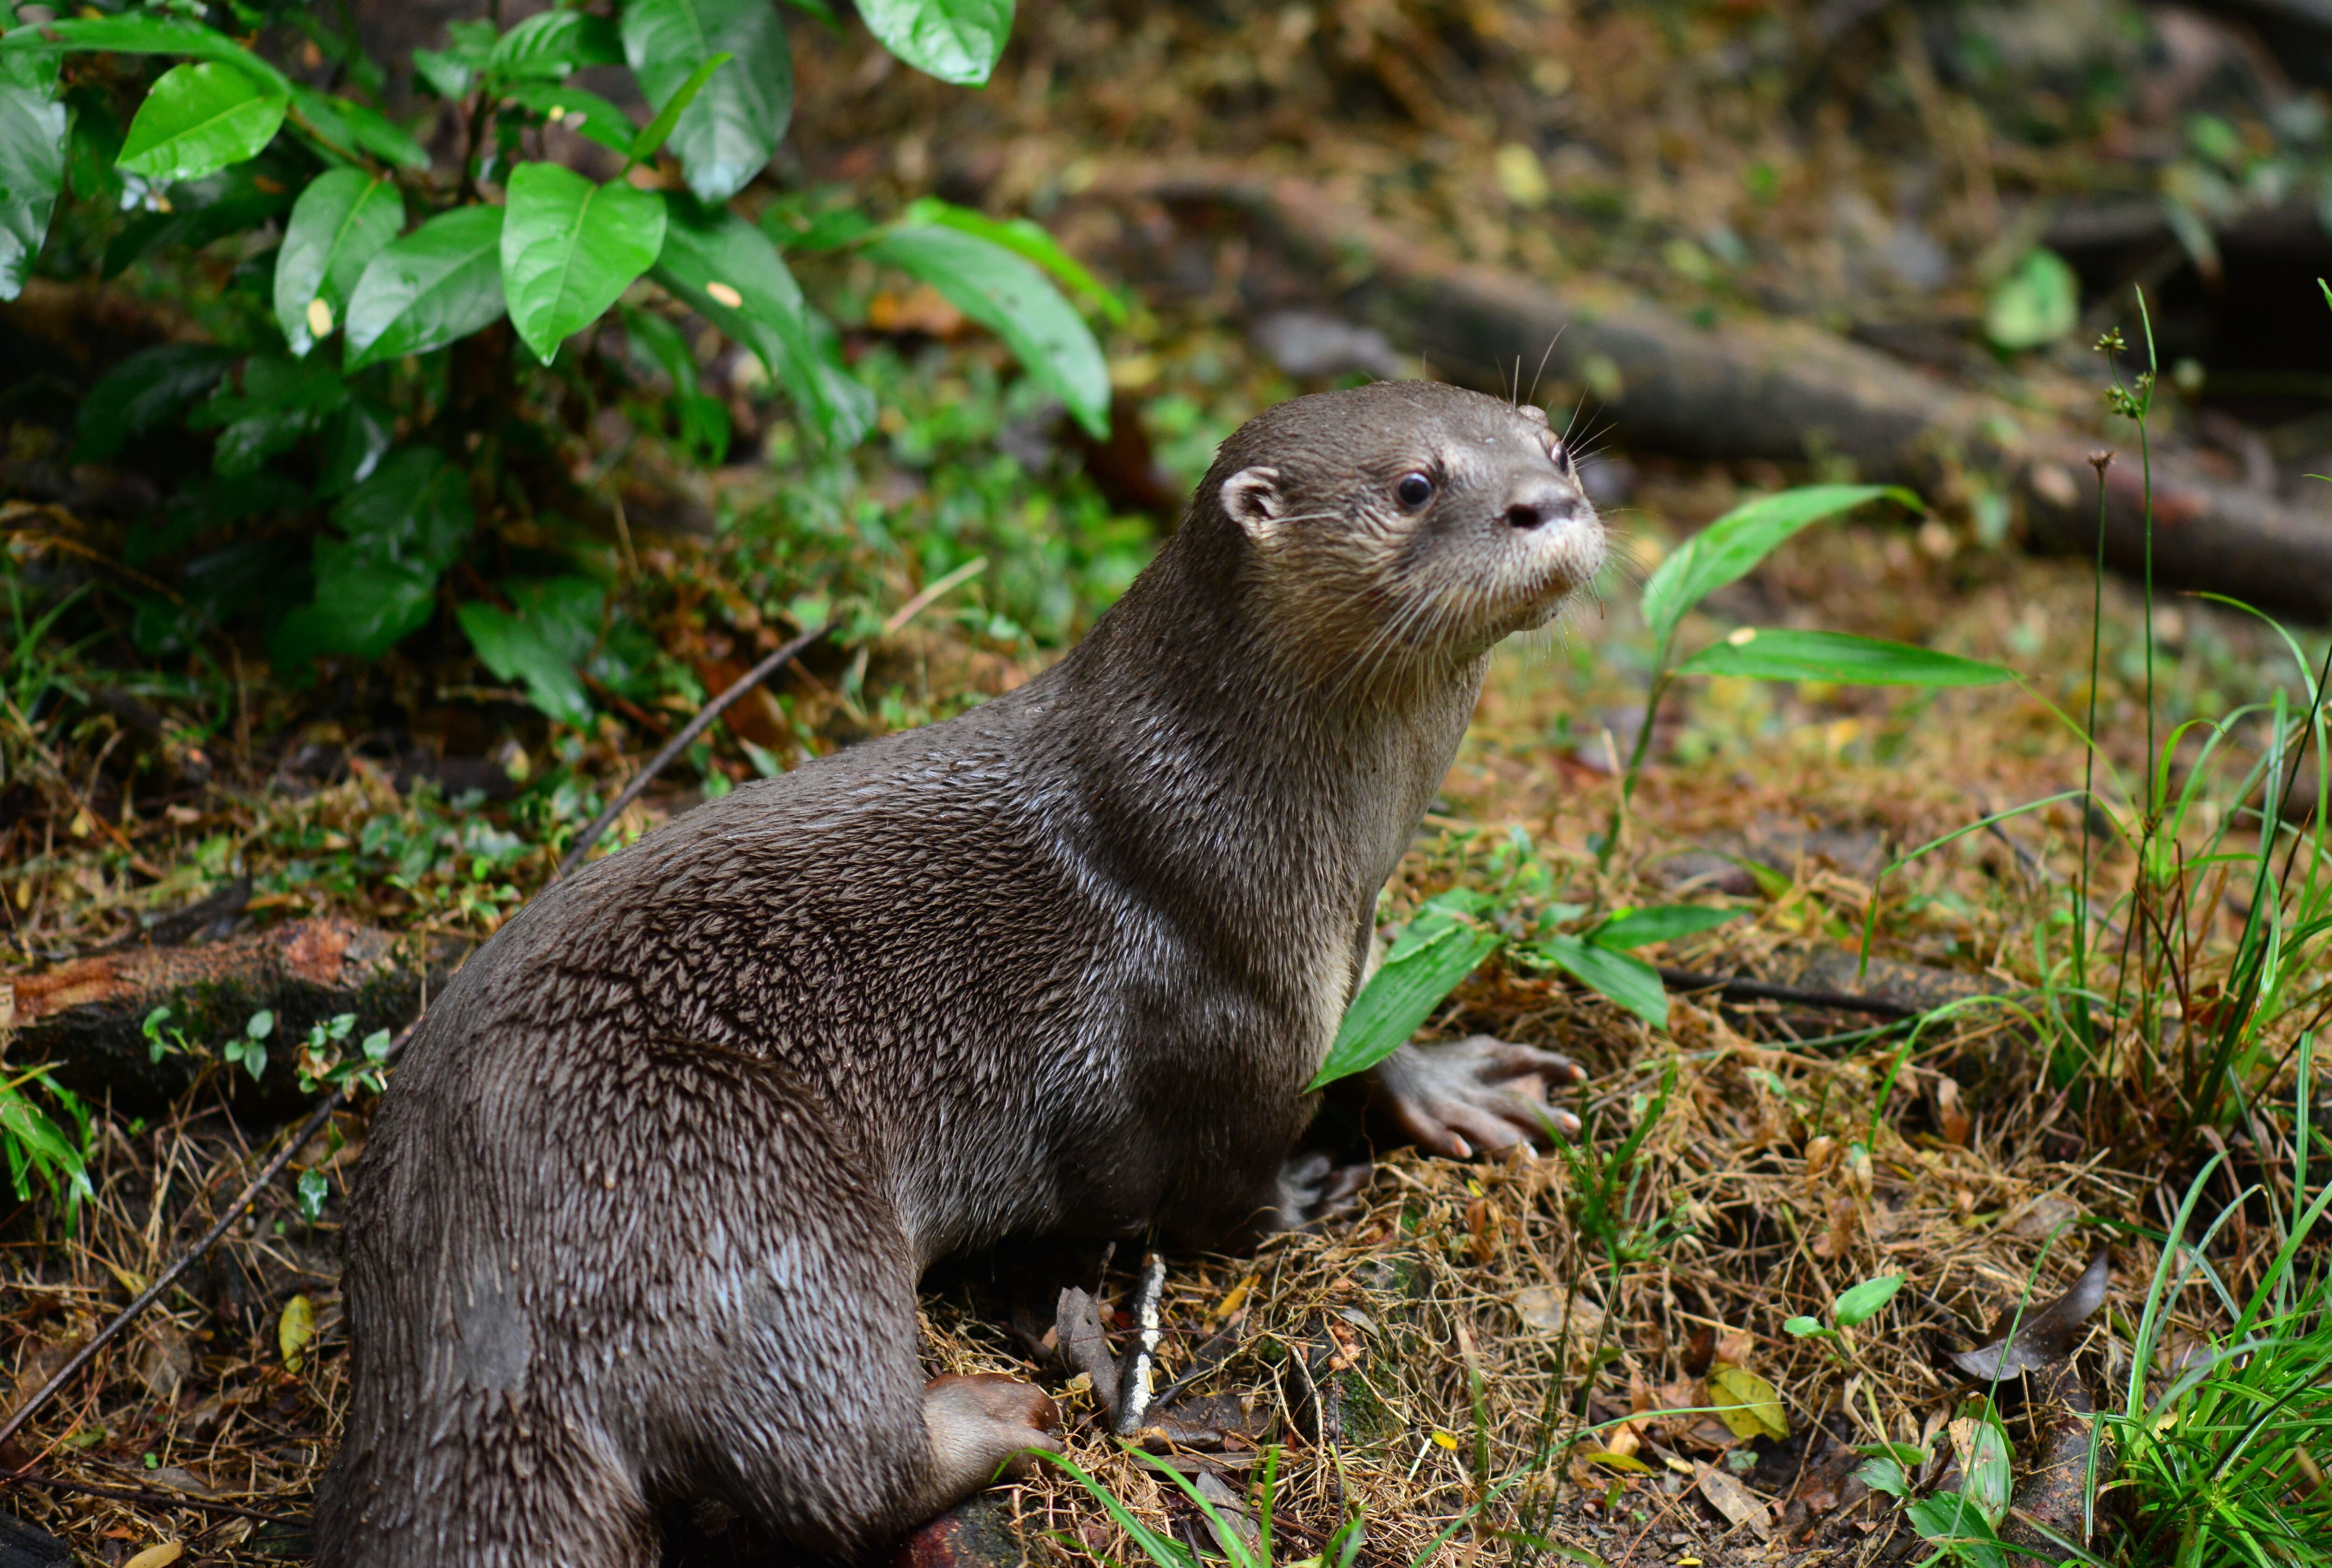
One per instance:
(1438,1316)
(1578,1356)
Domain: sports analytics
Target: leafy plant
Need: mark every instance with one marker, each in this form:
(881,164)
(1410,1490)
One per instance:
(1729,548)
(1851,1311)
(1450,936)
(248,1051)
(39,1148)
(369,392)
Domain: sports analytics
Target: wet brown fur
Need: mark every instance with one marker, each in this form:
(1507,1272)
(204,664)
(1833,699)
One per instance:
(642,1212)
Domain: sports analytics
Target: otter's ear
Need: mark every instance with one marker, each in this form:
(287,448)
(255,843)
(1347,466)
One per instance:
(1251,498)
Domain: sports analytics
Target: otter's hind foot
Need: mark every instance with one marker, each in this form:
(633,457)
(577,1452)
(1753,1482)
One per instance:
(980,1425)
(1477,1096)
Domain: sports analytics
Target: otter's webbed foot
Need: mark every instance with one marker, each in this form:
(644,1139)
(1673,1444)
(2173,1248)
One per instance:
(1315,1191)
(1477,1096)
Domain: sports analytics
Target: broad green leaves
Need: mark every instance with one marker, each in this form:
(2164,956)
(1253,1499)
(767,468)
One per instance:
(551,44)
(1012,298)
(143,391)
(1441,947)
(1732,546)
(728,135)
(1861,1304)
(442,281)
(569,247)
(552,629)
(340,223)
(31,163)
(376,582)
(352,127)
(199,117)
(1600,960)
(1790,656)
(1624,978)
(729,273)
(1851,1310)
(957,41)
(1022,238)
(1671,922)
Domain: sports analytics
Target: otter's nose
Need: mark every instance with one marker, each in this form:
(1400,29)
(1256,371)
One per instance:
(1536,503)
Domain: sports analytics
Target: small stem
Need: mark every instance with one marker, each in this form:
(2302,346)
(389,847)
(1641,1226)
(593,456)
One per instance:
(1660,683)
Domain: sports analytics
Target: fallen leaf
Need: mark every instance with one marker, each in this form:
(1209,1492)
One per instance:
(2045,1336)
(1549,1308)
(160,1556)
(1951,1116)
(1737,1503)
(293,1332)
(1746,1403)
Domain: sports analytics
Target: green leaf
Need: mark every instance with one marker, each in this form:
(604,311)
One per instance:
(551,44)
(1632,982)
(138,33)
(2036,304)
(1884,1473)
(1787,655)
(1015,301)
(1947,1521)
(729,273)
(1732,546)
(441,282)
(1861,1304)
(1643,927)
(1401,996)
(353,126)
(585,112)
(377,579)
(957,41)
(1804,1327)
(341,221)
(657,131)
(1023,238)
(570,248)
(1985,1462)
(200,118)
(541,640)
(279,401)
(33,128)
(728,134)
(314,1187)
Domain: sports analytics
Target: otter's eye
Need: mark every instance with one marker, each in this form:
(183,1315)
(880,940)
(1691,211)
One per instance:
(1413,491)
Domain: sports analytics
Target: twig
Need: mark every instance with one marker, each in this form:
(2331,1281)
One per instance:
(681,743)
(1133,1392)
(140,1494)
(153,1293)
(744,684)
(913,607)
(1741,989)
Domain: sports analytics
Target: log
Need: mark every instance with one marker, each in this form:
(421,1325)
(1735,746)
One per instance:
(1757,387)
(86,1017)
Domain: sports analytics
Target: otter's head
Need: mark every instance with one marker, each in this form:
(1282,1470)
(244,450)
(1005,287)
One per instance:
(1402,527)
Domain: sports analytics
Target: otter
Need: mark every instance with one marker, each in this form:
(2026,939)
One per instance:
(644,1209)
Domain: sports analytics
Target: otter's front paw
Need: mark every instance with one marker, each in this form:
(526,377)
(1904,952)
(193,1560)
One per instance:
(1477,1096)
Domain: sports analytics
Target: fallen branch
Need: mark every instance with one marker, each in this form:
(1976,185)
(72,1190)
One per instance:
(590,835)
(88,1016)
(1763,389)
